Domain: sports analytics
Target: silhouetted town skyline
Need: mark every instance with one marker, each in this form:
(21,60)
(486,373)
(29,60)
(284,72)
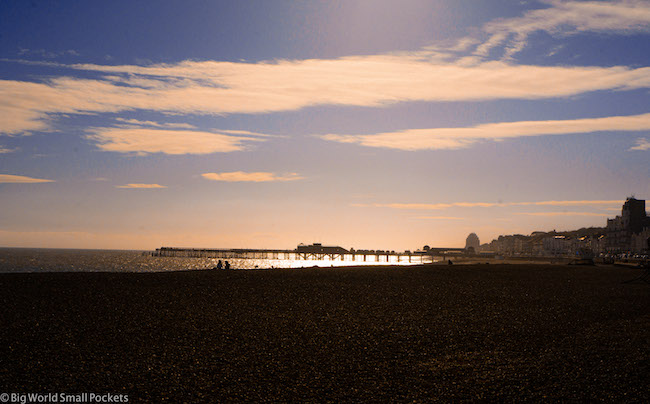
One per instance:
(628,232)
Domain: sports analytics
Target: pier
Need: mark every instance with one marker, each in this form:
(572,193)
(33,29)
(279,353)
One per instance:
(312,252)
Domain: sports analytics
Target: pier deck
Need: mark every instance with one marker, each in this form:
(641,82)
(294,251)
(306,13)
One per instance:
(324,253)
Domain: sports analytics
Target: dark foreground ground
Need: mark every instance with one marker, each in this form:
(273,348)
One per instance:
(361,334)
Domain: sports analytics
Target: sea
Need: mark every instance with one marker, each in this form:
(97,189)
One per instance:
(69,260)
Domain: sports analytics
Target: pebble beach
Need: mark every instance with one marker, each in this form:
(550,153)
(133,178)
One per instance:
(420,333)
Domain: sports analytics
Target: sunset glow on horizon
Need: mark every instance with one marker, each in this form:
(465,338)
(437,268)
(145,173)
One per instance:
(365,124)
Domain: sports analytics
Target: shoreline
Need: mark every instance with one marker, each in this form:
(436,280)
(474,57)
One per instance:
(349,264)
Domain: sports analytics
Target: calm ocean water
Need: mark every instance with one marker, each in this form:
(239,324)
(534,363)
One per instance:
(61,260)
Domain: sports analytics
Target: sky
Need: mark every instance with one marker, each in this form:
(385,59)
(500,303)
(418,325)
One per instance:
(368,124)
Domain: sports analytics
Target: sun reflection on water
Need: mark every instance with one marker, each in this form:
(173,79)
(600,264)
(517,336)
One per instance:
(59,260)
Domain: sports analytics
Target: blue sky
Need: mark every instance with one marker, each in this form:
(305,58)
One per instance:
(368,124)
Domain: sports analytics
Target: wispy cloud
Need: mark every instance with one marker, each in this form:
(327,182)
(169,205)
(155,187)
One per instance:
(240,176)
(20,179)
(562,214)
(457,138)
(440,217)
(426,206)
(141,186)
(173,125)
(434,73)
(641,144)
(563,18)
(220,88)
(4,150)
(246,132)
(144,141)
(47,54)
(570,203)
(436,206)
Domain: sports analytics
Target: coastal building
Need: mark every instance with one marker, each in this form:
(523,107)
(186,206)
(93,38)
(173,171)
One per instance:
(472,242)
(318,248)
(597,243)
(510,245)
(540,244)
(627,233)
(537,247)
(623,232)
(640,242)
(633,215)
(556,246)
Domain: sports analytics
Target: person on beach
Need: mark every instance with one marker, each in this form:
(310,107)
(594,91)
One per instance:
(219,265)
(227,265)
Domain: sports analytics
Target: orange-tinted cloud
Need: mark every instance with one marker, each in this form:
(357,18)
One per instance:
(173,125)
(436,206)
(240,176)
(440,217)
(457,138)
(145,140)
(141,186)
(435,73)
(642,144)
(562,214)
(4,150)
(20,179)
(565,18)
(217,88)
